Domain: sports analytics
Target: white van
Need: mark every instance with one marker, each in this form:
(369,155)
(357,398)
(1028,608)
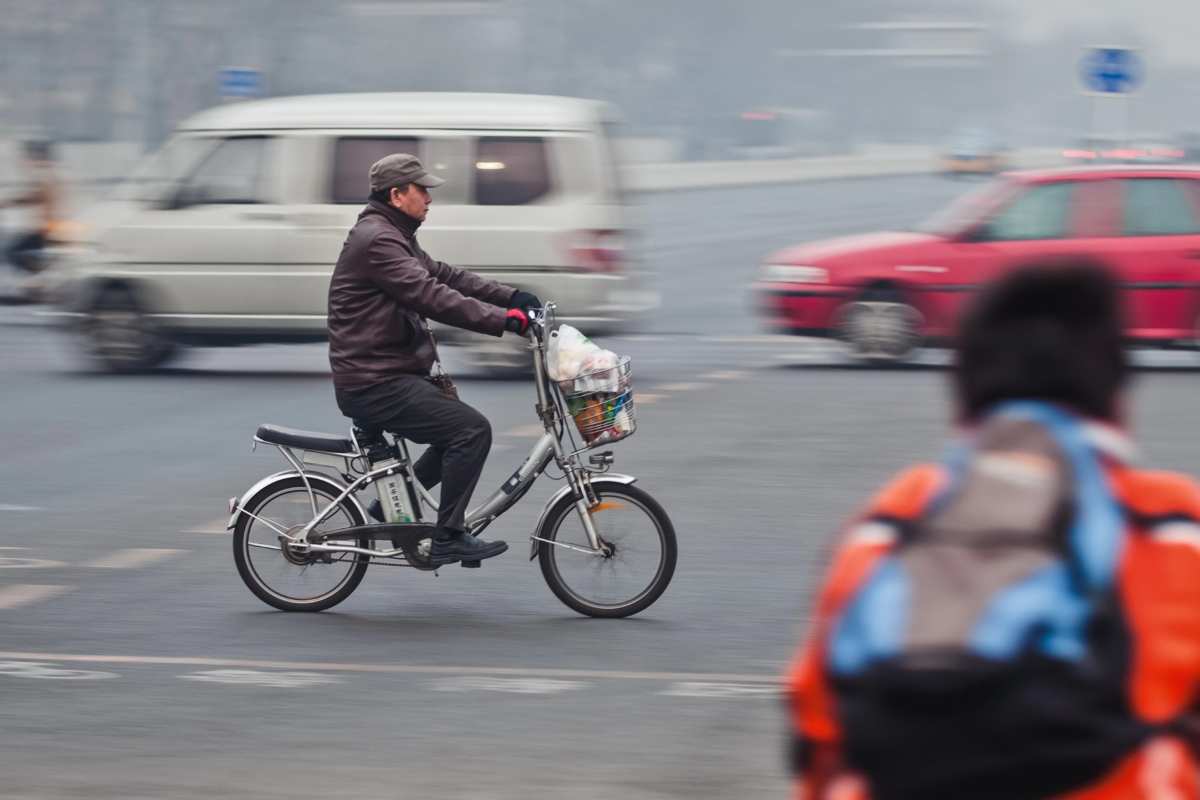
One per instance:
(229,233)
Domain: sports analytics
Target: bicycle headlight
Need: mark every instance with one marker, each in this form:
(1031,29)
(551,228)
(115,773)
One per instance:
(790,273)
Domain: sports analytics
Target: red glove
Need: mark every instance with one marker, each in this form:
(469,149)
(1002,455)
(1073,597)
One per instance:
(516,321)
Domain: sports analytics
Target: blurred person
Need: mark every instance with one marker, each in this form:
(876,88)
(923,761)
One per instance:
(1022,620)
(383,289)
(26,252)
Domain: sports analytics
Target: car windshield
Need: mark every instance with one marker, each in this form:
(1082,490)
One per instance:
(967,209)
(163,170)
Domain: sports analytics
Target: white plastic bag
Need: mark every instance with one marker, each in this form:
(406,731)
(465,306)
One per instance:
(567,351)
(598,373)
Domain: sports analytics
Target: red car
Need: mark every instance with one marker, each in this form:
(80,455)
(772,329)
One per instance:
(886,293)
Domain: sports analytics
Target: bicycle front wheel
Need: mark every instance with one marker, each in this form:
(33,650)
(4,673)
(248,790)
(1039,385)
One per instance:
(299,583)
(637,559)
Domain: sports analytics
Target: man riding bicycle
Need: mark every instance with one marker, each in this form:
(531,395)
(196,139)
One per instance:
(383,290)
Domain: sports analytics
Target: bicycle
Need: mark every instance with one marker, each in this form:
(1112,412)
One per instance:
(316,541)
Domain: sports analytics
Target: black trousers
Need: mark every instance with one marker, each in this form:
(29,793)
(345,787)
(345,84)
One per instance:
(459,437)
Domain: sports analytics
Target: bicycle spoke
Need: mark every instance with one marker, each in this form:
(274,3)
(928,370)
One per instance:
(609,581)
(318,574)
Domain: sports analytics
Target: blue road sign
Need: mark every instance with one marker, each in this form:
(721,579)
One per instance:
(1111,70)
(240,82)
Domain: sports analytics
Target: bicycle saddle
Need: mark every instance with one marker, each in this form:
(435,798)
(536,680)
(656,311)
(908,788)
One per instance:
(307,440)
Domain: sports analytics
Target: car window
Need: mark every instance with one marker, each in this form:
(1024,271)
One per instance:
(1039,213)
(969,209)
(352,160)
(510,171)
(1096,209)
(1158,207)
(231,174)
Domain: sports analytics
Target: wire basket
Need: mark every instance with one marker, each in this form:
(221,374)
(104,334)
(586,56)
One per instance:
(601,403)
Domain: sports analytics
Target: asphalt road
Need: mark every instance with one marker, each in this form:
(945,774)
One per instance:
(134,663)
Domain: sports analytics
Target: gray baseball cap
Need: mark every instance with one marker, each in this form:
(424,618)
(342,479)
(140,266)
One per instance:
(399,169)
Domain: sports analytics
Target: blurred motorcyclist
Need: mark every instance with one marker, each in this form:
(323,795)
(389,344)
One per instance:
(26,251)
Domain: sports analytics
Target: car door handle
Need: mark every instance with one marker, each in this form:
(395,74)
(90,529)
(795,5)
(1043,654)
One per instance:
(1194,254)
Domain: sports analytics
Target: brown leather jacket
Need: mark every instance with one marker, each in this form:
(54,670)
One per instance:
(383,288)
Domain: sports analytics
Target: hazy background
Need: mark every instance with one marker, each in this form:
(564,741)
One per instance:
(900,71)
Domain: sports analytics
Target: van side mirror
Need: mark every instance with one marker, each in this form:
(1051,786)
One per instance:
(184,197)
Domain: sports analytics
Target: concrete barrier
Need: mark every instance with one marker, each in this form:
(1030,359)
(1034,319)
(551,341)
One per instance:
(870,164)
(95,166)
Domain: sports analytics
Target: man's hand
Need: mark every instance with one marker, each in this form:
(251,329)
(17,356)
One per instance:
(516,321)
(524,301)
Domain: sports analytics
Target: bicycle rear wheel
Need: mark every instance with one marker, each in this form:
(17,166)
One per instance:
(636,566)
(311,583)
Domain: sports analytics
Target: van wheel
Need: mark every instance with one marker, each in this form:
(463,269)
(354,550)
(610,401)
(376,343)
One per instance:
(120,337)
(879,326)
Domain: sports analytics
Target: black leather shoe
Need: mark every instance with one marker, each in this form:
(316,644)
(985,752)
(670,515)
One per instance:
(451,546)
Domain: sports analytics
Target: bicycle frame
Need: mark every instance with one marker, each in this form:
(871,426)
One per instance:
(549,447)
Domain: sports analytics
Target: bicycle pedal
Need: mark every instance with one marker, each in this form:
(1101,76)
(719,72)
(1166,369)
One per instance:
(471,564)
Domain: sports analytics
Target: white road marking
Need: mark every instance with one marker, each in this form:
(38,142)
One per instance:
(216,526)
(24,562)
(648,398)
(34,669)
(10,507)
(724,375)
(253,677)
(133,557)
(399,669)
(719,691)
(681,387)
(526,431)
(470,683)
(20,594)
(766,338)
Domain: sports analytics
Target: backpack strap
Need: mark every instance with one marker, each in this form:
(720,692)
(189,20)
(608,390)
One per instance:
(1097,530)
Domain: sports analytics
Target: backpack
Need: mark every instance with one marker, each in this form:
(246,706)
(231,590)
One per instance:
(987,655)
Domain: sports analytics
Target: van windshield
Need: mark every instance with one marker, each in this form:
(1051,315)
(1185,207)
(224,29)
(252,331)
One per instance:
(162,171)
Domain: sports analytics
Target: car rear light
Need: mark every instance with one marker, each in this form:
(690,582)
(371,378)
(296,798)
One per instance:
(597,251)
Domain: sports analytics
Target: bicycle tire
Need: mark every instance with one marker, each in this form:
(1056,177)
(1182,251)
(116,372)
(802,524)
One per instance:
(547,557)
(256,584)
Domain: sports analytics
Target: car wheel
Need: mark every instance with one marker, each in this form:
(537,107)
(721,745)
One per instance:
(120,337)
(880,326)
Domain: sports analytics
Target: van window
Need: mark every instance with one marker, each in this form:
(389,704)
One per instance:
(352,160)
(1158,207)
(231,174)
(510,171)
(157,177)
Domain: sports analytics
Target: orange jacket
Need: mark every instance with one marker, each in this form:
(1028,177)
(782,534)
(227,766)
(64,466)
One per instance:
(1159,587)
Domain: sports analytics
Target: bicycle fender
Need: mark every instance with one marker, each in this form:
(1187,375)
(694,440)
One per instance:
(236,504)
(599,481)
